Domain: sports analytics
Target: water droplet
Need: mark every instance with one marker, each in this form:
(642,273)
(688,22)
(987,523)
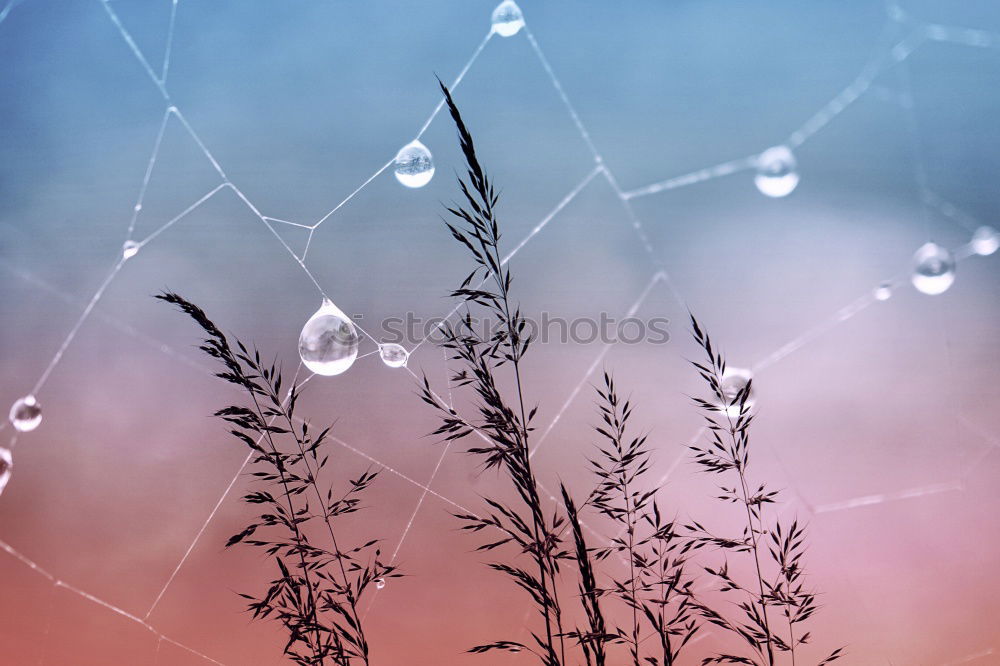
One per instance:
(379,583)
(26,414)
(776,172)
(393,355)
(985,241)
(6,467)
(733,381)
(129,249)
(328,343)
(883,292)
(933,269)
(137,208)
(507,19)
(414,165)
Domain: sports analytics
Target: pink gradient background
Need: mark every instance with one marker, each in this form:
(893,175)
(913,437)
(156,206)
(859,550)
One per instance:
(300,102)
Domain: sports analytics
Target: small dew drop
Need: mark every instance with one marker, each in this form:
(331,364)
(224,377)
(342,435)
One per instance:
(393,355)
(6,467)
(933,269)
(776,172)
(26,414)
(733,381)
(414,165)
(985,241)
(507,19)
(129,249)
(379,583)
(883,292)
(328,343)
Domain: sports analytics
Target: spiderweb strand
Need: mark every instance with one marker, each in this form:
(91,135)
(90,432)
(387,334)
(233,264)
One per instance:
(423,128)
(605,169)
(555,211)
(59,583)
(187,211)
(701,175)
(416,509)
(44,642)
(883,58)
(149,173)
(910,122)
(584,134)
(572,194)
(425,488)
(76,327)
(170,42)
(401,475)
(352,194)
(430,481)
(6,10)
(218,504)
(963,36)
(136,51)
(593,366)
(868,500)
(991,446)
(199,533)
(969,658)
(118,324)
(479,433)
(952,212)
(458,80)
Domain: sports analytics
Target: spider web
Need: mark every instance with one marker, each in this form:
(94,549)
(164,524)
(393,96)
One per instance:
(902,36)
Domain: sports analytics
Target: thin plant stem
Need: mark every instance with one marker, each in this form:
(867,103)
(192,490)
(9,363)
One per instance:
(280,466)
(327,519)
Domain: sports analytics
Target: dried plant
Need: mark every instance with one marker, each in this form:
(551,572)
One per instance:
(503,423)
(778,590)
(319,587)
(490,364)
(594,640)
(656,591)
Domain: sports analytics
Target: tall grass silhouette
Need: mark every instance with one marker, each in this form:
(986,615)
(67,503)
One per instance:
(654,595)
(320,581)
(635,600)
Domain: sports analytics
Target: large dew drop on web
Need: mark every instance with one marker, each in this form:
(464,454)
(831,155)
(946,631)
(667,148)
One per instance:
(414,165)
(507,19)
(328,343)
(776,172)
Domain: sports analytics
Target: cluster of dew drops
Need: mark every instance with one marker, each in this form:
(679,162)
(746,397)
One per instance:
(328,343)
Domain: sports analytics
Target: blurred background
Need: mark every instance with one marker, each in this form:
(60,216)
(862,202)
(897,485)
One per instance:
(877,419)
